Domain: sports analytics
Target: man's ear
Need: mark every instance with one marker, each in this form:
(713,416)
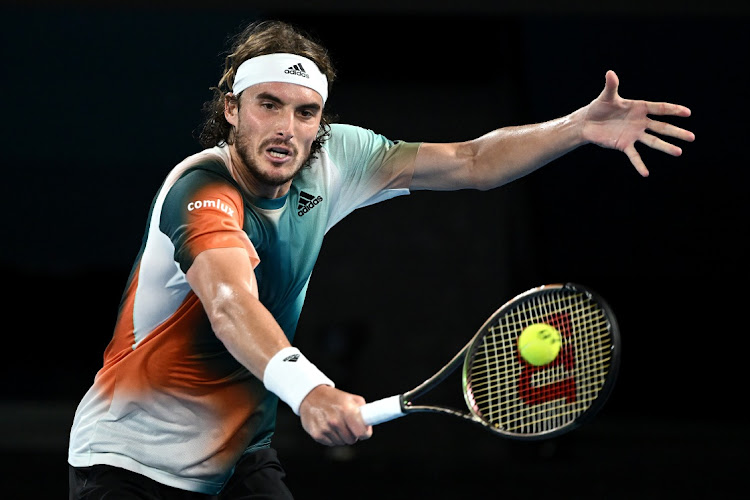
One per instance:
(231,108)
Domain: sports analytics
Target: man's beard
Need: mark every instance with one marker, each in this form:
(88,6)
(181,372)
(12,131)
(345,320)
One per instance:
(255,171)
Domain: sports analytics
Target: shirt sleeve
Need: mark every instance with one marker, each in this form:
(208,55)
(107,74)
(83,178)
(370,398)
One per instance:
(203,211)
(372,167)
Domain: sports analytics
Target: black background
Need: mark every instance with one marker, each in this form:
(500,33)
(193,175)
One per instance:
(100,101)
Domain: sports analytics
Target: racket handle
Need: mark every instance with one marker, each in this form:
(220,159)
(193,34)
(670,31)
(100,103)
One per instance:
(382,410)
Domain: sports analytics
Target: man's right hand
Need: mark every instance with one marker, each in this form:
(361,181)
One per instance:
(332,417)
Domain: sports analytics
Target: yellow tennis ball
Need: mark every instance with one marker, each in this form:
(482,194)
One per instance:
(539,344)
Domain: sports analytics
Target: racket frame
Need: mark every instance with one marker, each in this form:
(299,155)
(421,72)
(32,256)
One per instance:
(462,358)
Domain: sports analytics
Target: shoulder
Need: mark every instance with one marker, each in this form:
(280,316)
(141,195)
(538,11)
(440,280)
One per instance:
(207,168)
(353,134)
(206,165)
(361,147)
(350,144)
(200,178)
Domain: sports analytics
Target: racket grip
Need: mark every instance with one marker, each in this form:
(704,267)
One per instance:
(382,410)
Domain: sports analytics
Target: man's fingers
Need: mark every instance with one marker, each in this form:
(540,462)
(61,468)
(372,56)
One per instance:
(333,417)
(355,422)
(636,160)
(667,109)
(611,83)
(660,145)
(367,434)
(340,436)
(670,130)
(335,436)
(346,428)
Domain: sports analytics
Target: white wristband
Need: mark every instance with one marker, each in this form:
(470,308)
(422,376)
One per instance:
(291,376)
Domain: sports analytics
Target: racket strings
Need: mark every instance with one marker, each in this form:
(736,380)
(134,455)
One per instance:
(519,398)
(516,412)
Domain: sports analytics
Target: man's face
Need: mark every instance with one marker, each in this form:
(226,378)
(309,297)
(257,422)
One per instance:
(275,126)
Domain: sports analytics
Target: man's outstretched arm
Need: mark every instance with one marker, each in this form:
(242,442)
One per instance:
(508,153)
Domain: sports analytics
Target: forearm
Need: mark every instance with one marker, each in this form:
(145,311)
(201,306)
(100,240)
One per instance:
(247,329)
(225,284)
(498,157)
(506,154)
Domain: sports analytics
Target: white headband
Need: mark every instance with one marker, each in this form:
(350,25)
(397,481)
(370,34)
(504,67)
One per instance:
(280,67)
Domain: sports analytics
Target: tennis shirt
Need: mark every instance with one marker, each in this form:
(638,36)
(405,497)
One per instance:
(170,402)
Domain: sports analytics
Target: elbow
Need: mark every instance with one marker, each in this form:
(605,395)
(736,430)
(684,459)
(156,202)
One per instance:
(483,185)
(476,173)
(478,179)
(222,311)
(484,177)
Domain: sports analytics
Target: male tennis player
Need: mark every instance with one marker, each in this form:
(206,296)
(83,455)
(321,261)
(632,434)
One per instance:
(185,403)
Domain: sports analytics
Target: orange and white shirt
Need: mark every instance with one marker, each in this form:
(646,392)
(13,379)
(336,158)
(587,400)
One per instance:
(170,402)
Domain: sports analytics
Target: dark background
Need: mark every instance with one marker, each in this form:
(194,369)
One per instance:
(100,101)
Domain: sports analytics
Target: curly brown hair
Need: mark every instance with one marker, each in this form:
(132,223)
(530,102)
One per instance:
(257,39)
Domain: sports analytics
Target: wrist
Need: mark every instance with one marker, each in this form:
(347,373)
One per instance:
(576,122)
(291,376)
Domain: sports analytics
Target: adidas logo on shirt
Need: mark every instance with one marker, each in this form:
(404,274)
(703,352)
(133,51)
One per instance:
(297,69)
(307,202)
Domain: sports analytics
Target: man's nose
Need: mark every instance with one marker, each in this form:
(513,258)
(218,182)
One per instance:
(285,124)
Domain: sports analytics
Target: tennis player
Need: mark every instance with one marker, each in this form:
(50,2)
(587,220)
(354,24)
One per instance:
(185,403)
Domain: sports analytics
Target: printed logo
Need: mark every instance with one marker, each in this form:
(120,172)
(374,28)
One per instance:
(297,69)
(292,359)
(217,203)
(307,202)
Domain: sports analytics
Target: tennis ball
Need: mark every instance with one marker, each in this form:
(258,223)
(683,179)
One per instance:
(539,344)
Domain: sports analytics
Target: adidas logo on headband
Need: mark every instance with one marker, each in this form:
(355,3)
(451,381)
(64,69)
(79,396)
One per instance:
(297,69)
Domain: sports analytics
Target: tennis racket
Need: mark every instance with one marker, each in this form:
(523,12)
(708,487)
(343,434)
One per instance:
(513,398)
